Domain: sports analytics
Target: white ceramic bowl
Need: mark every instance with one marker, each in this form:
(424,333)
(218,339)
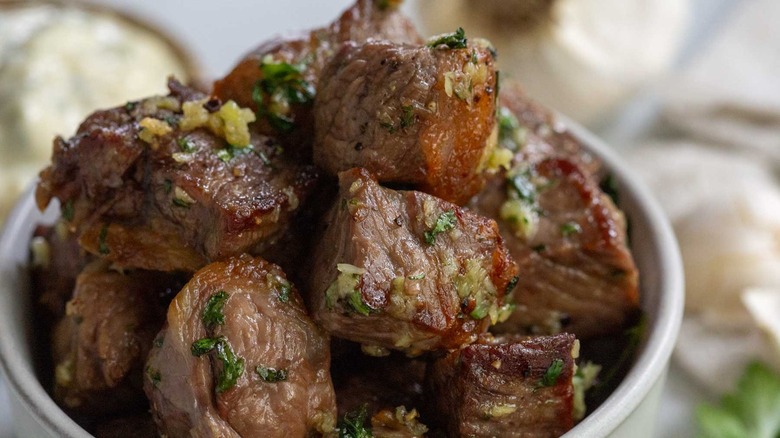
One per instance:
(630,411)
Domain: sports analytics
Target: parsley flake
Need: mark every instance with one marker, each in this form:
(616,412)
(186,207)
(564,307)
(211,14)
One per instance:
(271,375)
(282,85)
(454,40)
(353,424)
(102,245)
(445,222)
(550,377)
(232,365)
(212,312)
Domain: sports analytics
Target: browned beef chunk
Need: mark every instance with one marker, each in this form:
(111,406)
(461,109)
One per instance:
(506,388)
(57,261)
(414,115)
(308,52)
(569,240)
(100,346)
(538,133)
(240,357)
(406,270)
(177,200)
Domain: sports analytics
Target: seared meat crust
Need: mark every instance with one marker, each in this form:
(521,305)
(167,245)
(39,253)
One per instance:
(278,359)
(406,270)
(100,345)
(506,387)
(175,202)
(418,116)
(576,274)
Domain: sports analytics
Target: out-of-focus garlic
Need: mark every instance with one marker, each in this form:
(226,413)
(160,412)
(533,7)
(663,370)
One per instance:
(582,57)
(725,210)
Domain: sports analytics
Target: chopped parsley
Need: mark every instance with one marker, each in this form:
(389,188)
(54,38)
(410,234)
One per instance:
(282,85)
(445,222)
(232,365)
(212,312)
(523,187)
(353,424)
(752,411)
(102,245)
(550,377)
(185,145)
(511,285)
(356,303)
(570,228)
(510,134)
(609,186)
(68,211)
(129,106)
(419,276)
(454,40)
(271,375)
(154,376)
(408,117)
(283,293)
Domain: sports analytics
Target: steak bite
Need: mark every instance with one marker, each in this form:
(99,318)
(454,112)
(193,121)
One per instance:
(406,270)
(100,345)
(506,388)
(569,240)
(171,183)
(240,357)
(418,116)
(267,74)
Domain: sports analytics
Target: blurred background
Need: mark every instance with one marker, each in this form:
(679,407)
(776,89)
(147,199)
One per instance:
(685,90)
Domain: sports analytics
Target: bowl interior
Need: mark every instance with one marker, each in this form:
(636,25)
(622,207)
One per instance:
(653,244)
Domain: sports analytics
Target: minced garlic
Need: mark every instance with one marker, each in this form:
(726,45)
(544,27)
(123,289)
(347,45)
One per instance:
(230,122)
(152,128)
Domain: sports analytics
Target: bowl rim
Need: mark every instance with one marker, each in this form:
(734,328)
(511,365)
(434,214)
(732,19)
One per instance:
(651,364)
(647,369)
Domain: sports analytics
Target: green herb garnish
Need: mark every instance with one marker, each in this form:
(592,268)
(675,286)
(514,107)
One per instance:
(68,211)
(282,85)
(550,377)
(570,228)
(407,118)
(353,425)
(356,303)
(154,376)
(232,365)
(212,312)
(523,187)
(102,246)
(271,375)
(753,410)
(185,145)
(284,291)
(511,285)
(510,133)
(454,40)
(419,276)
(445,222)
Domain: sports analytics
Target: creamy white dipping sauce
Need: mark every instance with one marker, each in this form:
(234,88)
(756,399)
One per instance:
(58,64)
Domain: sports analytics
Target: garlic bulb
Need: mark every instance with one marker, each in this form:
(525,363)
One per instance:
(725,210)
(581,57)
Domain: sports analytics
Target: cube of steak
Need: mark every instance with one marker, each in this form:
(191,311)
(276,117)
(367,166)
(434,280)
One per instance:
(240,357)
(576,272)
(506,388)
(308,53)
(412,115)
(406,270)
(178,199)
(100,346)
